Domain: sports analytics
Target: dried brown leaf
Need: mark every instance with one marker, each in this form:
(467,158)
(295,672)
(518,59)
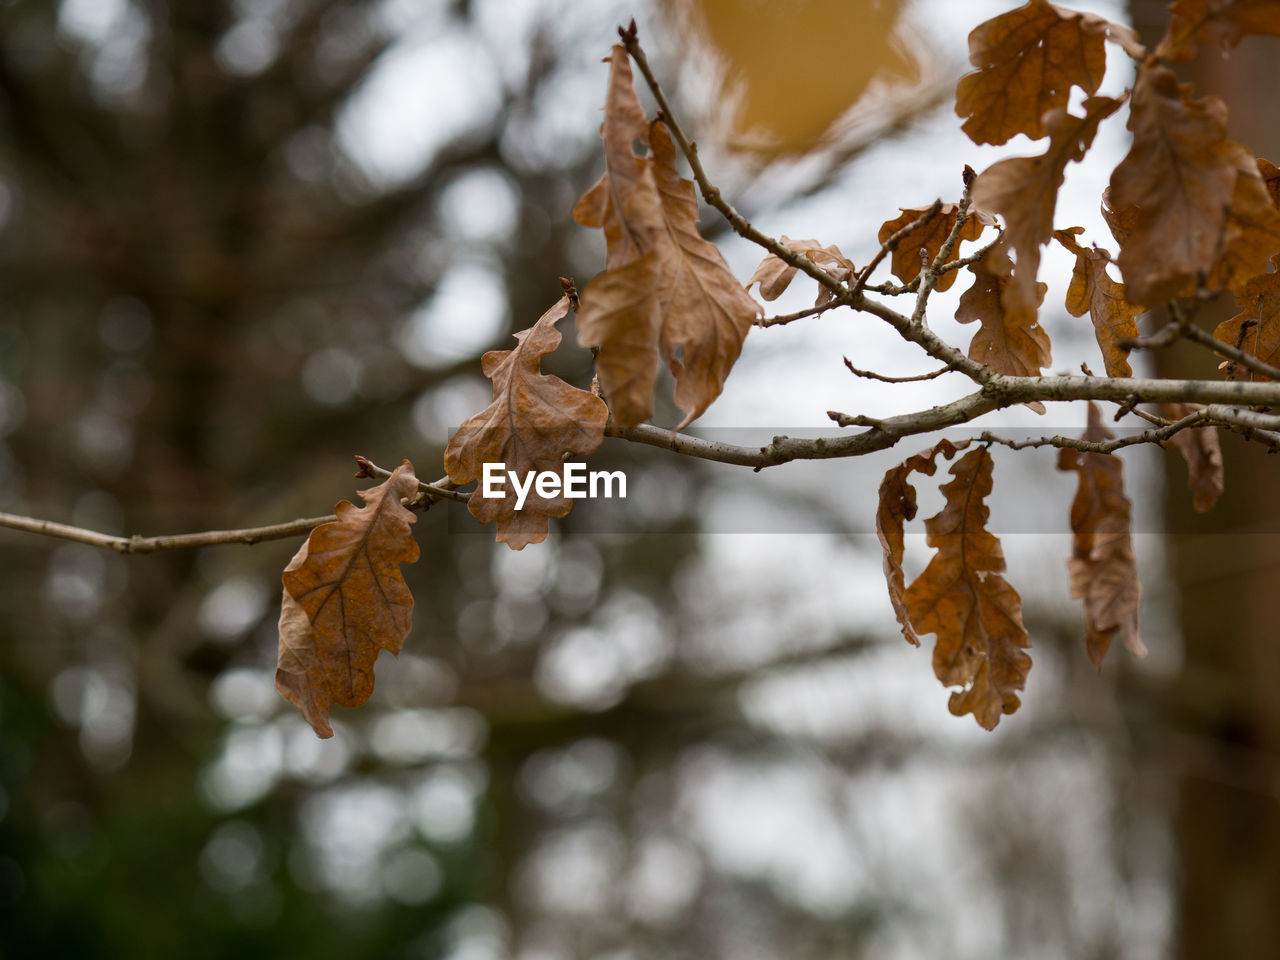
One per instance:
(1217,22)
(1010,339)
(1028,60)
(1103,568)
(1256,328)
(708,312)
(345,600)
(898,505)
(1203,453)
(1024,190)
(1175,188)
(533,421)
(687,305)
(624,202)
(774,274)
(905,260)
(1094,292)
(963,599)
(1253,227)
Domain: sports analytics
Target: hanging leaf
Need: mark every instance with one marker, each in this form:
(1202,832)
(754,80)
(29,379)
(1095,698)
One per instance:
(534,420)
(345,600)
(897,505)
(1028,60)
(1178,194)
(1024,190)
(1010,339)
(708,312)
(963,599)
(665,291)
(1216,22)
(1103,569)
(1203,453)
(905,260)
(1094,292)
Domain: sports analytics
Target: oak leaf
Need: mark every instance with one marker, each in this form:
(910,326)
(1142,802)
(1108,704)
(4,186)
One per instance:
(1094,292)
(897,504)
(774,274)
(686,305)
(708,313)
(1220,22)
(1185,194)
(1256,328)
(1010,340)
(1024,190)
(1253,227)
(345,600)
(905,260)
(1203,454)
(535,419)
(1028,60)
(1103,569)
(963,599)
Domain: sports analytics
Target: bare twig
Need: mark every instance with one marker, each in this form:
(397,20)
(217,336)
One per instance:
(785,318)
(932,271)
(1154,435)
(428,492)
(872,375)
(182,541)
(1246,360)
(1166,335)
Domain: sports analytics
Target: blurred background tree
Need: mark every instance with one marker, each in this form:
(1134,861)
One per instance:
(245,239)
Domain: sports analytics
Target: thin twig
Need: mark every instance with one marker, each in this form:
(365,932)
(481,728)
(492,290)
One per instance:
(1169,333)
(932,271)
(1246,360)
(442,489)
(1154,435)
(785,318)
(181,541)
(872,375)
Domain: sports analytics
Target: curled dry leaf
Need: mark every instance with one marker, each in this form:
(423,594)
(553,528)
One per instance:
(774,274)
(1216,22)
(345,600)
(533,421)
(1094,292)
(1010,339)
(1203,453)
(1024,190)
(1103,569)
(1185,194)
(896,506)
(665,290)
(1256,328)
(905,260)
(1028,60)
(963,599)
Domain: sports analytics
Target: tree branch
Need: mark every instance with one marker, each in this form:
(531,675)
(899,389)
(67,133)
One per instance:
(181,541)
(442,489)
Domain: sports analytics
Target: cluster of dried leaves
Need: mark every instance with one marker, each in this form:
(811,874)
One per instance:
(1190,210)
